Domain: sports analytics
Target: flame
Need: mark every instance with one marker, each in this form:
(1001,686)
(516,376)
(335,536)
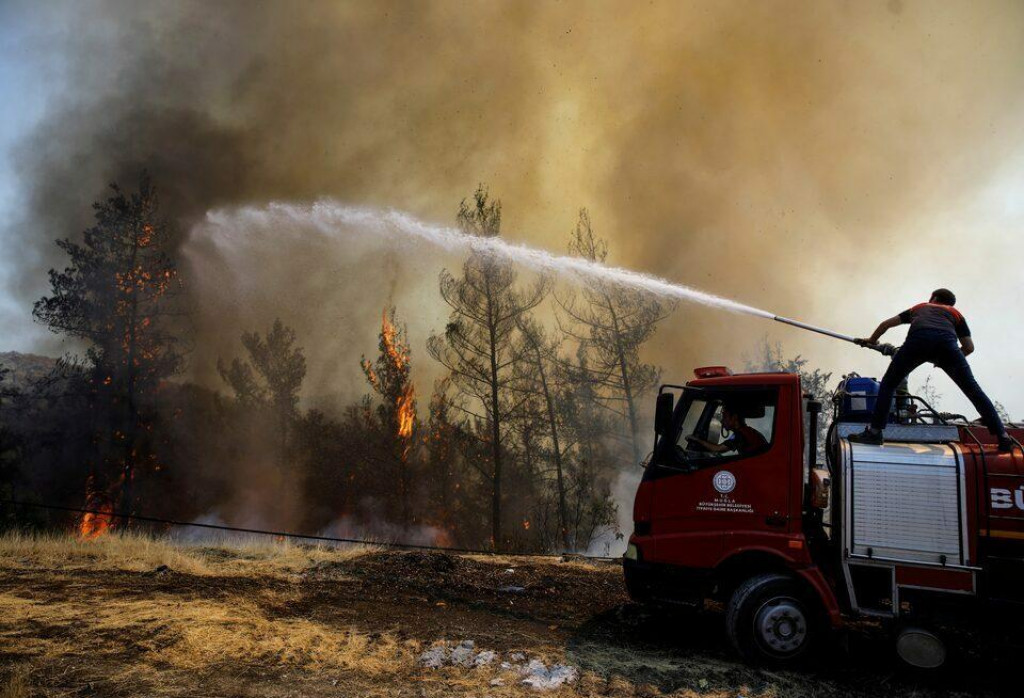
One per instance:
(398,354)
(526,524)
(405,405)
(93,526)
(443,539)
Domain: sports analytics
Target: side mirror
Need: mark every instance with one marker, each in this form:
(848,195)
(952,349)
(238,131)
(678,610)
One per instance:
(663,413)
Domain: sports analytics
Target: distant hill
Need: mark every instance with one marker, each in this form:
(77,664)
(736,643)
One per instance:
(25,368)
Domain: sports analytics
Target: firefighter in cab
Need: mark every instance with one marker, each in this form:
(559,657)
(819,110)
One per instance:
(745,439)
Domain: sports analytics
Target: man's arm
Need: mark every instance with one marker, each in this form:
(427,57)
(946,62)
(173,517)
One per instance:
(713,448)
(963,333)
(884,327)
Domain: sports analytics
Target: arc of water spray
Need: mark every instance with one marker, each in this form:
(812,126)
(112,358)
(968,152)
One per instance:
(330,217)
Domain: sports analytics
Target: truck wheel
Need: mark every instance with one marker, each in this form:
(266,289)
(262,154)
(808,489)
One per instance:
(920,648)
(769,622)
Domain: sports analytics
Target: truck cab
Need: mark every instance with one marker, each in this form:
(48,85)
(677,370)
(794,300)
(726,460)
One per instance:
(734,506)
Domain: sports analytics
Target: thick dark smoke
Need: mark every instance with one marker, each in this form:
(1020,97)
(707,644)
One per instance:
(742,147)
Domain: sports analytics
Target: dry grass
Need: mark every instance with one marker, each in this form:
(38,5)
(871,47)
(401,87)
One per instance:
(133,552)
(144,641)
(573,562)
(155,644)
(274,619)
(84,631)
(17,685)
(191,635)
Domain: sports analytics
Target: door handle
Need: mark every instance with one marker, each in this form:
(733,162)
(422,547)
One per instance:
(775,519)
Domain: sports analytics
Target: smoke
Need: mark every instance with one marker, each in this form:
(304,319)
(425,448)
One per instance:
(378,530)
(612,541)
(788,159)
(375,530)
(740,147)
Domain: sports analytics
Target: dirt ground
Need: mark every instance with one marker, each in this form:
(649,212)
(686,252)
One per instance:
(137,617)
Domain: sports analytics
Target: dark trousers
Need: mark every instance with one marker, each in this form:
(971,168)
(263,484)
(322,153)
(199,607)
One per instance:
(941,349)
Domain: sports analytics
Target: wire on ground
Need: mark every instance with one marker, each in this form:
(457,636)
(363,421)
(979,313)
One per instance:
(289,534)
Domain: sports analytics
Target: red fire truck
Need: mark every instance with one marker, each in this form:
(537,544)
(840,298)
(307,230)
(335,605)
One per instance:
(924,533)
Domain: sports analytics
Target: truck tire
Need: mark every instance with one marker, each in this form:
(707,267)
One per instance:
(769,621)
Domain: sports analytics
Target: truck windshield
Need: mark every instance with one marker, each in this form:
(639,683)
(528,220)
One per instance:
(716,424)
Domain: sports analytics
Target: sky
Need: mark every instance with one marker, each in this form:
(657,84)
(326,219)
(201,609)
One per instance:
(20,110)
(830,162)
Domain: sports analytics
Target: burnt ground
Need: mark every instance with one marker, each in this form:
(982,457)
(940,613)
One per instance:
(96,630)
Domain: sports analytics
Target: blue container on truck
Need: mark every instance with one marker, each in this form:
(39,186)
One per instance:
(858,397)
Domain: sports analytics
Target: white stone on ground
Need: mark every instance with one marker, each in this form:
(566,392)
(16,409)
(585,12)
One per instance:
(464,654)
(435,657)
(539,676)
(535,672)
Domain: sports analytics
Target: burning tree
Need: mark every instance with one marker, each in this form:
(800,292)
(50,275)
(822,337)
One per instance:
(614,324)
(270,379)
(116,295)
(480,345)
(389,377)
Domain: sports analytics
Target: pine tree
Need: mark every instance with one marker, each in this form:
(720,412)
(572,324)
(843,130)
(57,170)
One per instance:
(540,379)
(613,324)
(480,346)
(116,294)
(442,441)
(389,376)
(270,379)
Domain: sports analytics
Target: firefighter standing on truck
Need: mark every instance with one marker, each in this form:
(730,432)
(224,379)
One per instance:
(936,327)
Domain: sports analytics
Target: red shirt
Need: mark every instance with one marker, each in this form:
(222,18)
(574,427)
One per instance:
(746,439)
(935,316)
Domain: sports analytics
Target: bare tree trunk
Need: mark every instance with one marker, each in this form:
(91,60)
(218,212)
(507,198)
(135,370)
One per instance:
(627,388)
(496,457)
(549,403)
(406,486)
(495,424)
(283,445)
(126,494)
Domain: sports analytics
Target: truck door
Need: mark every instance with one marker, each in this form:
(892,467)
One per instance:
(722,472)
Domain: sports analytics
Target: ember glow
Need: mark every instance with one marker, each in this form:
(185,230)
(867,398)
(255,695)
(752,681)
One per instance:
(442,538)
(92,526)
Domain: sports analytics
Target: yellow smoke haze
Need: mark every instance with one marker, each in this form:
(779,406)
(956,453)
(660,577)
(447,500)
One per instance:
(818,159)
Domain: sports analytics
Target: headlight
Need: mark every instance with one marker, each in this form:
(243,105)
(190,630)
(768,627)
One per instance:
(632,552)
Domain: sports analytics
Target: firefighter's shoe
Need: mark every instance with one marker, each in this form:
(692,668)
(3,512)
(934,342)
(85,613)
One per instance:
(1005,444)
(868,436)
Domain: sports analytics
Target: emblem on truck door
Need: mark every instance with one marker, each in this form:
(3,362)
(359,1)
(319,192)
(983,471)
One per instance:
(724,481)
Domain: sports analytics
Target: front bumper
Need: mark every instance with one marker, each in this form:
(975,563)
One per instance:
(652,583)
